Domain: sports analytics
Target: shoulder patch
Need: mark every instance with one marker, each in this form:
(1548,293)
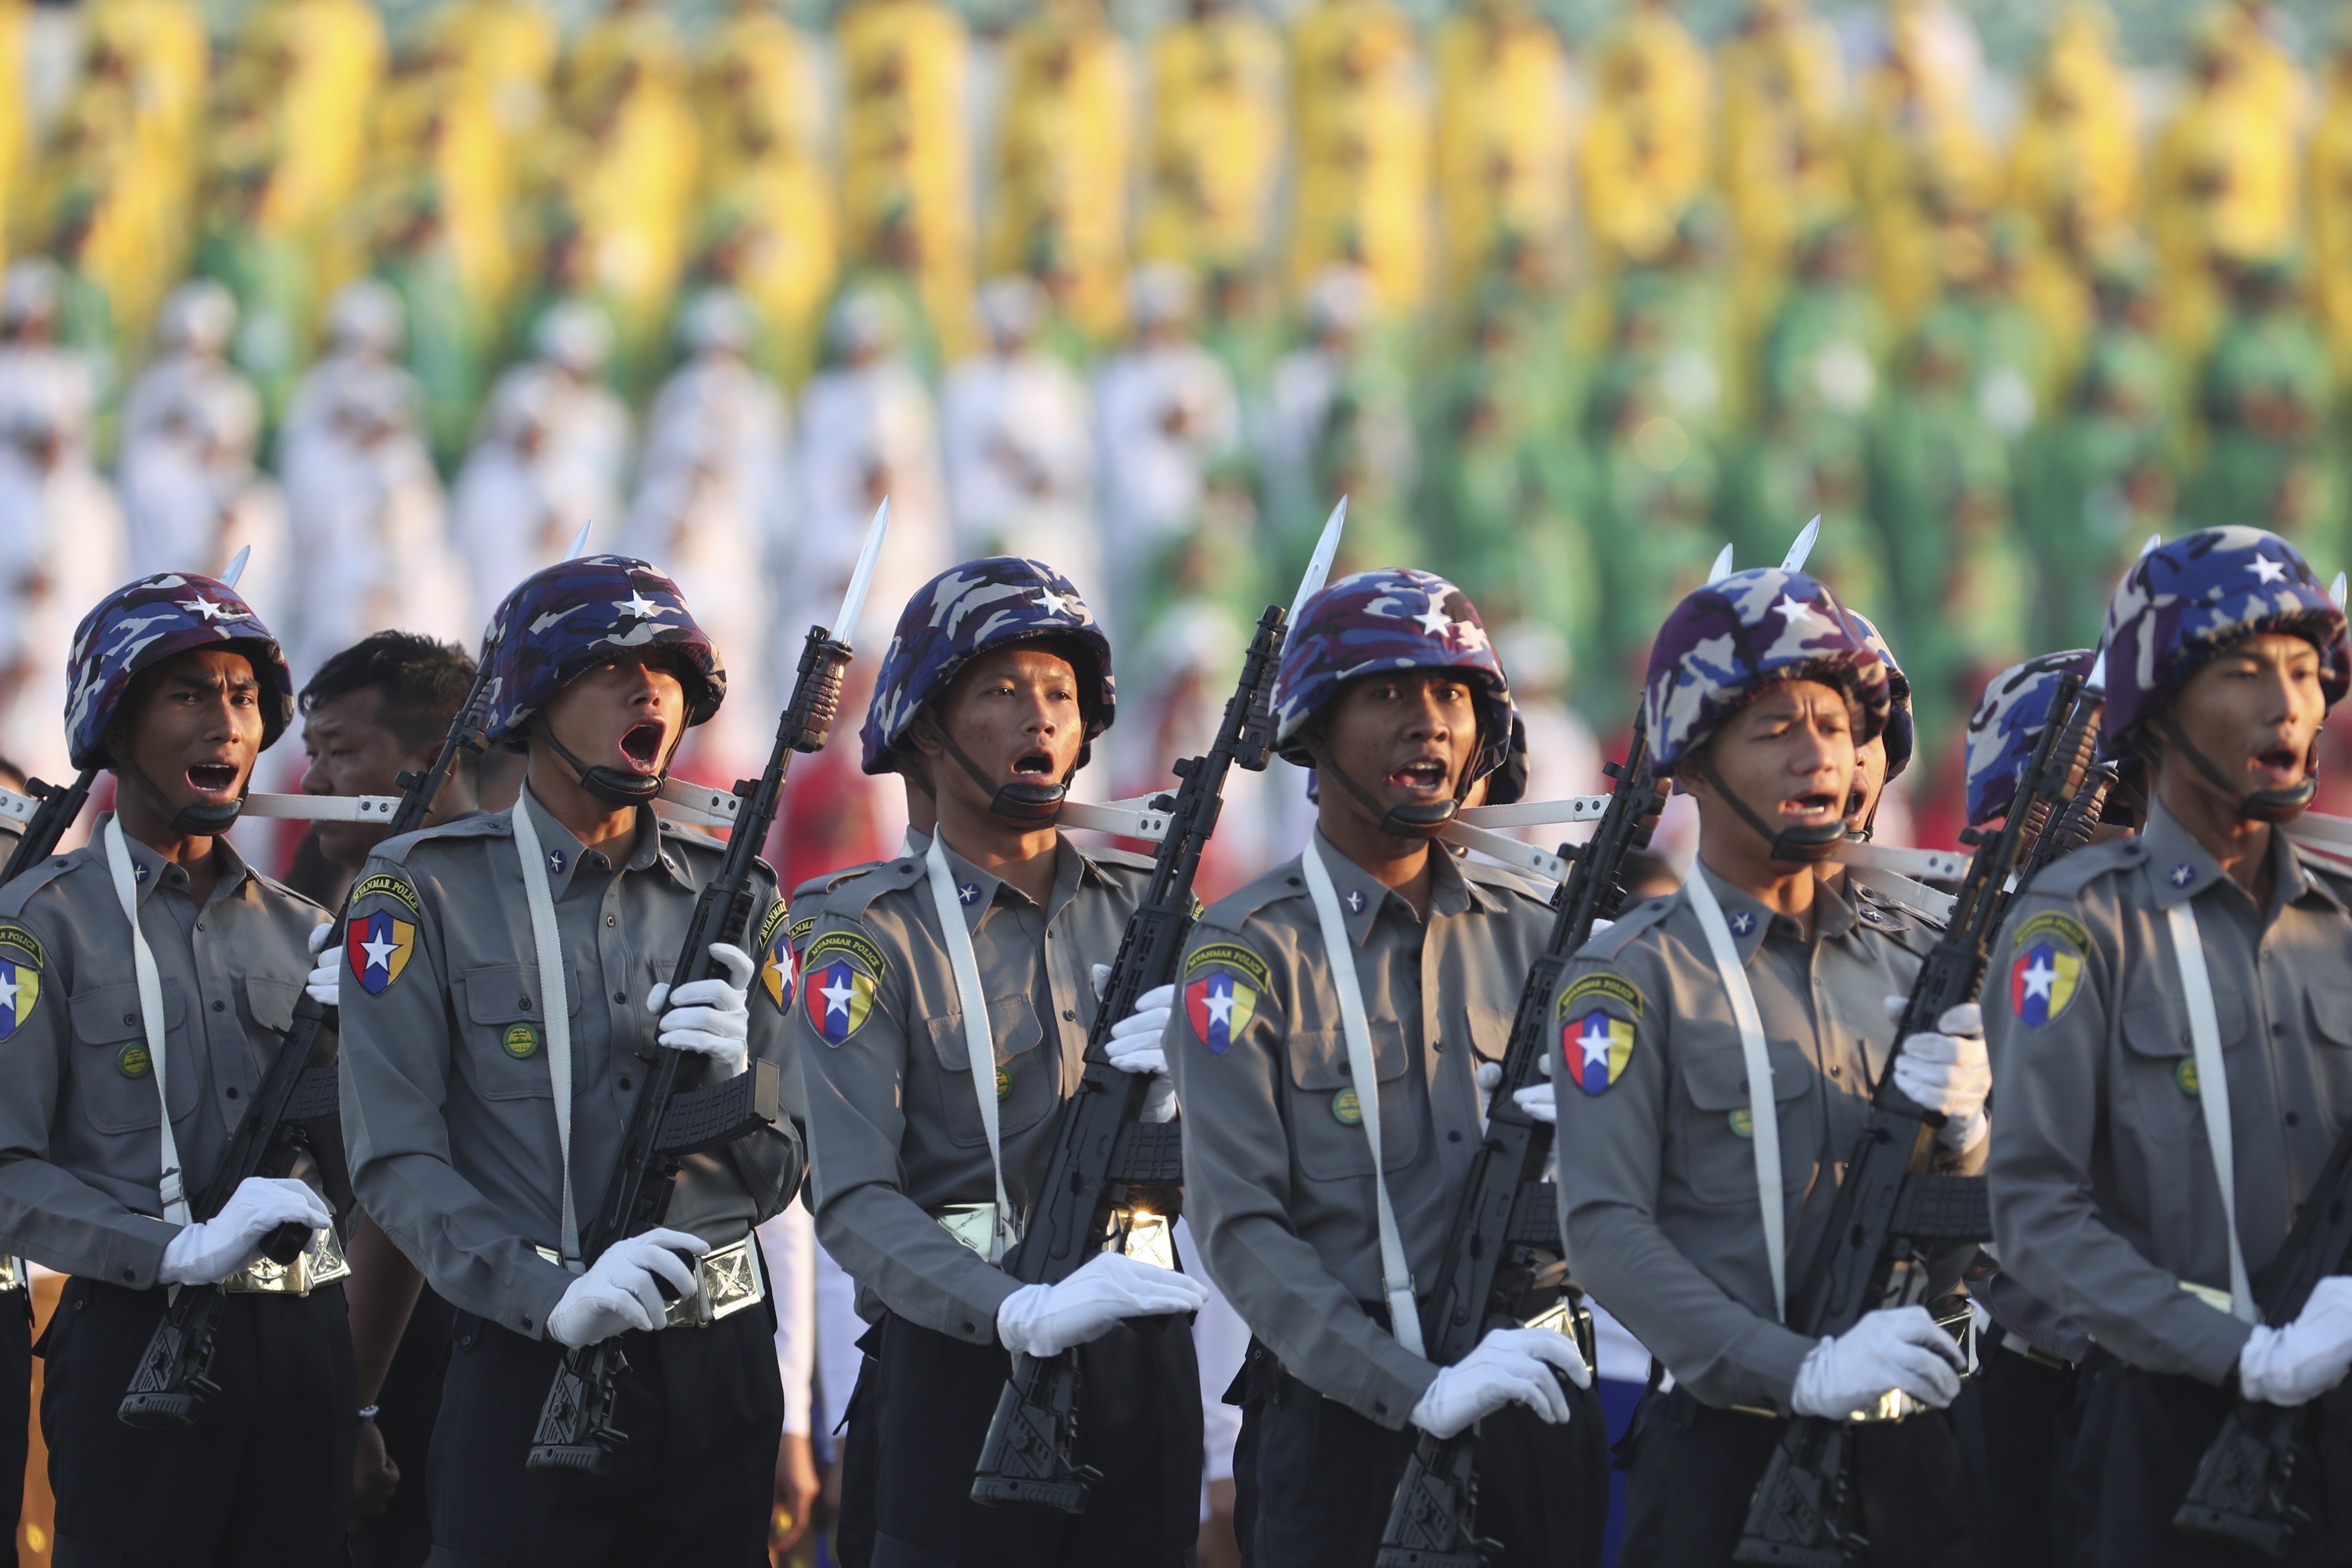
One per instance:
(19,945)
(391,885)
(779,963)
(21,963)
(1596,1015)
(2045,966)
(1223,982)
(1238,957)
(840,975)
(378,947)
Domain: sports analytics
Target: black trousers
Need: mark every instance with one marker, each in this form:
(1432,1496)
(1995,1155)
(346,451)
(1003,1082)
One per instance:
(1138,1424)
(1315,1480)
(410,1404)
(2142,1437)
(861,1449)
(1691,1472)
(15,1411)
(2031,1416)
(263,1475)
(693,1486)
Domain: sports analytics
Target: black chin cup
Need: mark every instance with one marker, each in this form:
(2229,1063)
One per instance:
(1790,846)
(2282,805)
(1034,805)
(614,786)
(1400,821)
(201,819)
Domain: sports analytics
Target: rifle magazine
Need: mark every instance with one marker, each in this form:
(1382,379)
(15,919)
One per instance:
(1943,1209)
(717,1114)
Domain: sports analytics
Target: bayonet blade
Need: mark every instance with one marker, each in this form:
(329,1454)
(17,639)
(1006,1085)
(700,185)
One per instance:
(1318,566)
(2336,591)
(1801,548)
(1722,567)
(2153,540)
(237,568)
(579,542)
(853,602)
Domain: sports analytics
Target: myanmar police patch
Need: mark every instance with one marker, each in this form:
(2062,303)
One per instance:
(841,973)
(780,967)
(1596,1016)
(21,962)
(1222,983)
(379,949)
(2046,967)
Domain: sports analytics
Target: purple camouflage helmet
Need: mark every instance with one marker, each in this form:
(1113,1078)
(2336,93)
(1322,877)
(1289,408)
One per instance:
(961,615)
(1900,735)
(2187,600)
(2007,726)
(142,623)
(1727,643)
(567,619)
(1390,618)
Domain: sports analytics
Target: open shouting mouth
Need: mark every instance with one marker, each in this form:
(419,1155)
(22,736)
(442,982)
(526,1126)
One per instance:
(1423,778)
(642,747)
(1812,809)
(1034,765)
(2279,767)
(215,779)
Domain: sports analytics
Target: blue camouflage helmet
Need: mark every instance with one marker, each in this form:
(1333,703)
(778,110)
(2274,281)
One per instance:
(2007,726)
(2186,600)
(1390,618)
(963,612)
(1900,734)
(567,619)
(1728,643)
(140,625)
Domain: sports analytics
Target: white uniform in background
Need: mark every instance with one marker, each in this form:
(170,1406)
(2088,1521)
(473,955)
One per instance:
(713,502)
(1020,443)
(838,1359)
(788,1247)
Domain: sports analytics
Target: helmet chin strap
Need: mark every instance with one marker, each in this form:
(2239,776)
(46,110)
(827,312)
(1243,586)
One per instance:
(202,819)
(1790,846)
(1399,822)
(2280,805)
(614,786)
(1034,804)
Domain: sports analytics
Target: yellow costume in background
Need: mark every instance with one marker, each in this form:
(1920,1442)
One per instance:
(905,195)
(2074,174)
(1216,140)
(504,50)
(1648,140)
(314,65)
(1362,178)
(15,126)
(2331,205)
(1922,162)
(1783,164)
(1060,209)
(1504,145)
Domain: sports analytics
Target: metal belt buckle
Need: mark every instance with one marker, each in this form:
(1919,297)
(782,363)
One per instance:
(726,1281)
(1144,1236)
(12,1273)
(305,1274)
(1569,1316)
(973,1224)
(1897,1406)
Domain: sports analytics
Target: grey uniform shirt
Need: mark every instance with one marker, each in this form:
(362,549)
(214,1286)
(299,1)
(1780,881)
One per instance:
(894,1129)
(1657,1168)
(2103,1199)
(448,1103)
(81,1123)
(1278,1172)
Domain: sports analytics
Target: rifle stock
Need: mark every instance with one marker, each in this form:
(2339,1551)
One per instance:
(1502,1267)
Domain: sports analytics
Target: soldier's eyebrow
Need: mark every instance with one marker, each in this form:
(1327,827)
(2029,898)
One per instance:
(204,680)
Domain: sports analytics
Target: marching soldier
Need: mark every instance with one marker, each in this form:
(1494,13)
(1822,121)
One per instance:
(457,1039)
(1335,1014)
(2167,1019)
(996,684)
(1675,1164)
(151,967)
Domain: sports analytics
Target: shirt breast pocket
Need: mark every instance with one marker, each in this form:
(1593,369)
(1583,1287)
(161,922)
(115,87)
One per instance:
(270,1003)
(1327,1130)
(2160,1060)
(113,1078)
(1028,1081)
(505,1039)
(1717,1143)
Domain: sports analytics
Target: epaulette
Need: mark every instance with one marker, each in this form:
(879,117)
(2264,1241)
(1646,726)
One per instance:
(481,825)
(1502,879)
(274,885)
(832,879)
(1233,911)
(1630,922)
(13,896)
(849,898)
(2070,873)
(2339,875)
(1117,860)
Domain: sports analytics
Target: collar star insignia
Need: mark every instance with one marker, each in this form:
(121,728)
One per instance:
(138,871)
(1793,610)
(2265,570)
(1872,914)
(1742,922)
(210,609)
(555,862)
(1433,620)
(2183,875)
(968,893)
(1355,901)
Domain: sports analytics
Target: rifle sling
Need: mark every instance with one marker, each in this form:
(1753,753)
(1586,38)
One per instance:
(555,1005)
(2213,1090)
(172,1183)
(978,1040)
(1763,1110)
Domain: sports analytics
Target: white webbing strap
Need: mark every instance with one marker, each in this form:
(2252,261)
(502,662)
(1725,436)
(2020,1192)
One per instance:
(2213,1090)
(174,1183)
(547,947)
(1763,1111)
(979,1041)
(1396,1280)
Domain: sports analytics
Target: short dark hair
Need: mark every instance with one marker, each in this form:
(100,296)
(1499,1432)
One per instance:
(420,684)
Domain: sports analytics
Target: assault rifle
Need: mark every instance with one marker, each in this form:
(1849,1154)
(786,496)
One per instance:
(54,808)
(576,1434)
(1503,1266)
(1892,1208)
(298,1108)
(1113,1174)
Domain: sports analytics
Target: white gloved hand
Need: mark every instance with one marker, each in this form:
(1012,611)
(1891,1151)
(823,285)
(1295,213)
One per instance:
(210,1251)
(1510,1366)
(1894,1349)
(326,982)
(621,1289)
(1948,1072)
(711,1017)
(2296,1362)
(1135,1043)
(1046,1320)
(1538,1102)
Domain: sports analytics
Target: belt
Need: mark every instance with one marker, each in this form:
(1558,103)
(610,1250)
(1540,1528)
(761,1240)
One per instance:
(1139,1233)
(305,1274)
(726,1280)
(12,1273)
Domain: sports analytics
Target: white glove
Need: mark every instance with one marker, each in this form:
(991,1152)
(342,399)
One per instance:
(210,1251)
(711,1016)
(1135,1044)
(1046,1320)
(2296,1362)
(619,1290)
(1948,1072)
(326,982)
(1895,1349)
(1510,1366)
